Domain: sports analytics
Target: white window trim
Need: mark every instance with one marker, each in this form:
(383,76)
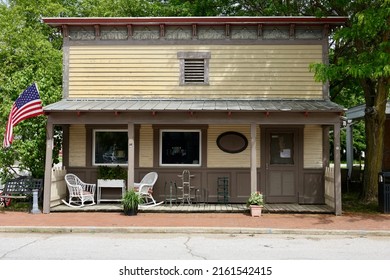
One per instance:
(93,147)
(180,165)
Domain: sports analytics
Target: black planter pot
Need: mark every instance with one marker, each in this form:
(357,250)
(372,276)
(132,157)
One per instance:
(131,211)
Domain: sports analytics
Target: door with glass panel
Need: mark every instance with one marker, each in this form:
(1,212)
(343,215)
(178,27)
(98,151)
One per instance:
(281,165)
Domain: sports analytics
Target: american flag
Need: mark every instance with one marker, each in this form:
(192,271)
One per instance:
(27,105)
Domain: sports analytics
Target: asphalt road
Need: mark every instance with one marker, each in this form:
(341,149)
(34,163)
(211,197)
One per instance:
(122,246)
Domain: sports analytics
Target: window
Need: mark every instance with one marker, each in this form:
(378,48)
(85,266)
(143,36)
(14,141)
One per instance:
(194,68)
(180,147)
(282,148)
(110,147)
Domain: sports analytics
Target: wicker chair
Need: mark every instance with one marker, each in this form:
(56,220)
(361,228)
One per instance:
(79,192)
(145,189)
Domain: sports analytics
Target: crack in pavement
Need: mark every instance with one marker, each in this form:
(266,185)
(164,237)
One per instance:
(190,250)
(22,246)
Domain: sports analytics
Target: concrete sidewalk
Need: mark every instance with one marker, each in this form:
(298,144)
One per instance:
(232,223)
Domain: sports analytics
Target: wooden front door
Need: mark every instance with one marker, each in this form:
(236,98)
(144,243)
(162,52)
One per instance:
(281,165)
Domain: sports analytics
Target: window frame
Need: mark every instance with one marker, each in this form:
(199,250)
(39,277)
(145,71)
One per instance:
(182,56)
(94,131)
(161,131)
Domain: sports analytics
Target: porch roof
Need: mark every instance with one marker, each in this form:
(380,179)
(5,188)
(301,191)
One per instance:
(358,112)
(177,105)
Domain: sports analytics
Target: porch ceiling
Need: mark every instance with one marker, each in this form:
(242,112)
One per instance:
(177,105)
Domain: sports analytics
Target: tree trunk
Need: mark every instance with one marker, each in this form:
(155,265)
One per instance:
(375,117)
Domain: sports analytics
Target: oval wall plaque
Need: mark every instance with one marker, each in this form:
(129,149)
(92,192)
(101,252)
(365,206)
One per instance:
(232,142)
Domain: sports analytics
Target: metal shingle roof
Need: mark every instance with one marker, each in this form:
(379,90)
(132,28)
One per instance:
(250,105)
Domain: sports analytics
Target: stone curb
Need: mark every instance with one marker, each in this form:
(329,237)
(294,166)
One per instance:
(188,230)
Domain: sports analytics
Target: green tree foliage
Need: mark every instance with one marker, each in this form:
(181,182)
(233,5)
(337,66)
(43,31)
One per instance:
(362,57)
(29,52)
(112,8)
(195,7)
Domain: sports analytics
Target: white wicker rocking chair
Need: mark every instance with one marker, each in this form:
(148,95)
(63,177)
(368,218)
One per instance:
(79,192)
(145,189)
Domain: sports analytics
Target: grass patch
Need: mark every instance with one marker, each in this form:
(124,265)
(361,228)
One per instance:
(352,203)
(18,206)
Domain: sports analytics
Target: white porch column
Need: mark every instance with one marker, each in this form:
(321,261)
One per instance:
(130,166)
(337,172)
(48,167)
(253,158)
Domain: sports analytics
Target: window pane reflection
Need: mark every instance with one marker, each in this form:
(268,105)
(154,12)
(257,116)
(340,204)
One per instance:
(282,148)
(180,147)
(110,147)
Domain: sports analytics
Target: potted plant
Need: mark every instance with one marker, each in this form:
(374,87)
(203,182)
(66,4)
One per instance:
(111,177)
(130,202)
(255,203)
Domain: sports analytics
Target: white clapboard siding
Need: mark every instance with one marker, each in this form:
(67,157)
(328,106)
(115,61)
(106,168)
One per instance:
(272,71)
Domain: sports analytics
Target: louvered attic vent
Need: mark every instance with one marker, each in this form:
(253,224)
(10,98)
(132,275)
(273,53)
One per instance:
(194,68)
(194,71)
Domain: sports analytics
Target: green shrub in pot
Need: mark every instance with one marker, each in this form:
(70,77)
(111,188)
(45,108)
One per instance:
(130,202)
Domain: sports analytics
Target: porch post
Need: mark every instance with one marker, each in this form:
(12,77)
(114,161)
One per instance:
(349,143)
(48,167)
(253,158)
(337,173)
(130,165)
